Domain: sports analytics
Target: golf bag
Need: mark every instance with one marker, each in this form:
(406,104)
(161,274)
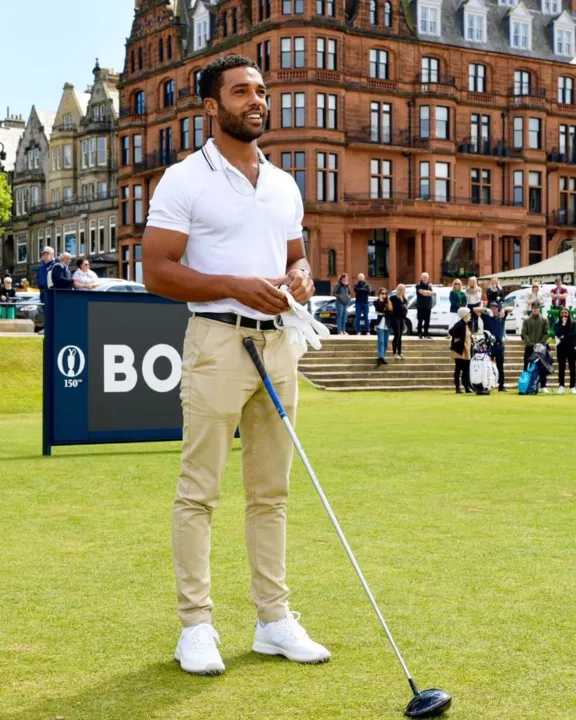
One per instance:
(483,370)
(541,363)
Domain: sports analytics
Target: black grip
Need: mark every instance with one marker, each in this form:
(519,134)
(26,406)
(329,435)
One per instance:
(249,345)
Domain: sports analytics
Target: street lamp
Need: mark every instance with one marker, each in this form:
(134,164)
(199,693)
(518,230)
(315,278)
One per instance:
(2,157)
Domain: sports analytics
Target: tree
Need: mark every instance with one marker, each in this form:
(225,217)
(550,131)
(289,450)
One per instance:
(5,202)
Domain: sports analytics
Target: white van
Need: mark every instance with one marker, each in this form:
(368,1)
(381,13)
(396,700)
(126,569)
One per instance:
(440,316)
(517,300)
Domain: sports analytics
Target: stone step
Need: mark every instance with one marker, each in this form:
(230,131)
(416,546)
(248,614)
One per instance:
(385,373)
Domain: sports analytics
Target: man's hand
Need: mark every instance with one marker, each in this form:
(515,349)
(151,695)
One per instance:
(260,294)
(300,285)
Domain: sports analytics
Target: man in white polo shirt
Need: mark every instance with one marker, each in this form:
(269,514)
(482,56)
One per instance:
(224,231)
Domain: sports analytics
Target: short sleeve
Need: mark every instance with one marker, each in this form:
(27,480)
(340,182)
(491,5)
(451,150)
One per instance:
(295,229)
(170,207)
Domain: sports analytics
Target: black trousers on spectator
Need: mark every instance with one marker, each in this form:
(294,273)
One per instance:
(424,321)
(474,320)
(498,355)
(543,377)
(563,355)
(398,330)
(461,367)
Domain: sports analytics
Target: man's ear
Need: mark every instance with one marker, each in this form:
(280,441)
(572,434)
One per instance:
(211,107)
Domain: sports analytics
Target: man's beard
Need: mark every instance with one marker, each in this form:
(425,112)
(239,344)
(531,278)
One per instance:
(234,126)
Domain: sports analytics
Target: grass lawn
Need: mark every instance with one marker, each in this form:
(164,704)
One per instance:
(461,511)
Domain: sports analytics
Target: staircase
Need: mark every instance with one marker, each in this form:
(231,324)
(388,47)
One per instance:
(349,363)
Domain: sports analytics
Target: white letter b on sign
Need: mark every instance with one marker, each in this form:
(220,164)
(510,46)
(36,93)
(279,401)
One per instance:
(119,360)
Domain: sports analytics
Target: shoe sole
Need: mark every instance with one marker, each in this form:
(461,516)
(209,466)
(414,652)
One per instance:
(267,649)
(210,669)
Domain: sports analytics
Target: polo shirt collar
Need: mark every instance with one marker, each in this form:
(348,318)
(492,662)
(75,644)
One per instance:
(212,156)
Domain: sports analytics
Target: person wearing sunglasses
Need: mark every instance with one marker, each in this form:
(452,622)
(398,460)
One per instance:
(84,278)
(565,334)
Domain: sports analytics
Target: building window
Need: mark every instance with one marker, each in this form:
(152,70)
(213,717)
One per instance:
(67,197)
(137,149)
(169,93)
(58,241)
(424,121)
(387,14)
(565,90)
(224,22)
(381,122)
(67,156)
(295,164)
(567,145)
(161,50)
(518,133)
(125,204)
(380,179)
(22,248)
(166,146)
(125,150)
(535,192)
(34,196)
(476,78)
(185,134)
(40,244)
(442,182)
(196,77)
(198,132)
(325,7)
(102,154)
(430,70)
(327,111)
(373,11)
(234,21)
(68,124)
(101,235)
(481,189)
(535,133)
(521,35)
(292,7)
(424,181)
(480,133)
(286,53)
(82,238)
(140,103)
(326,54)
(379,64)
(286,105)
(428,18)
(534,249)
(92,238)
(137,208)
(102,190)
(202,34)
(442,123)
(378,249)
(140,59)
(522,82)
(564,42)
(518,189)
(263,55)
(92,152)
(132,62)
(112,231)
(263,10)
(475,24)
(298,118)
(551,7)
(268,114)
(567,200)
(327,177)
(55,196)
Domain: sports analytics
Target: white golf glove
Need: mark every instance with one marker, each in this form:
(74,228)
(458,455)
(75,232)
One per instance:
(300,326)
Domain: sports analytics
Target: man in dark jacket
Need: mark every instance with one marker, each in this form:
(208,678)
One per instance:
(363,292)
(42,274)
(61,275)
(535,330)
(424,302)
(494,321)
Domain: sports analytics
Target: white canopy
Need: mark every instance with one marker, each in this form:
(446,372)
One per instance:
(543,272)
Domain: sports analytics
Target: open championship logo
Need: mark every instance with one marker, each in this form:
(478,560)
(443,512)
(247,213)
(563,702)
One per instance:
(71,361)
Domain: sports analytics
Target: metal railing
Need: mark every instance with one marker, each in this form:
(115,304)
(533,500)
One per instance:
(561,218)
(435,79)
(401,197)
(72,200)
(159,158)
(459,269)
(561,157)
(128,111)
(477,146)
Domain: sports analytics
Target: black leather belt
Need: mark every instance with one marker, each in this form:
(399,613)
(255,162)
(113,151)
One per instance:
(232,319)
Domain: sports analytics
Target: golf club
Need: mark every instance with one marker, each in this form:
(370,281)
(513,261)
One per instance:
(424,704)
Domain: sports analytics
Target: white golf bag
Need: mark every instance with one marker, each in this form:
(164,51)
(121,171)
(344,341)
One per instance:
(483,370)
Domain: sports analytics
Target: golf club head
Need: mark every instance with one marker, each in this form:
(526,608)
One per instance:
(428,703)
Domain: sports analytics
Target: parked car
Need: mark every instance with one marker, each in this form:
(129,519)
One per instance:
(27,305)
(326,314)
(517,300)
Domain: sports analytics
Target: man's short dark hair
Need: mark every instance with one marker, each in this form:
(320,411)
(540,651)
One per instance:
(211,79)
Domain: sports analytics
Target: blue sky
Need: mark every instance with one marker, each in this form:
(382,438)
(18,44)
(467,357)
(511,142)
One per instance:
(45,44)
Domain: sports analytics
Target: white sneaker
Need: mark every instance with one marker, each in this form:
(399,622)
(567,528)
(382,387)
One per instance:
(560,390)
(197,652)
(287,637)
(545,391)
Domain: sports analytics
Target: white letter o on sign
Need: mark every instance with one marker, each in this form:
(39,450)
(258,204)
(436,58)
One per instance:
(148,368)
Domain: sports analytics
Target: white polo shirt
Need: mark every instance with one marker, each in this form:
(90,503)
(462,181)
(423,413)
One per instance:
(232,229)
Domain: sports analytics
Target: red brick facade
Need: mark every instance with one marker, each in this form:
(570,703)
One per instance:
(475,213)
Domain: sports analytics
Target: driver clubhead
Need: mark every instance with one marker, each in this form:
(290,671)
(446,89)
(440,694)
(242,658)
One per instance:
(428,703)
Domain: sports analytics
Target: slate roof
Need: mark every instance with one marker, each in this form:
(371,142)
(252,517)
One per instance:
(10,137)
(498,34)
(47,118)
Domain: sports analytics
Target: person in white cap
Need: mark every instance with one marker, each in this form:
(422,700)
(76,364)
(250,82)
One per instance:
(42,274)
(461,349)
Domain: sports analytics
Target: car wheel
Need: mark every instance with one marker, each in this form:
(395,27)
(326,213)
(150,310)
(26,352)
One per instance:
(407,327)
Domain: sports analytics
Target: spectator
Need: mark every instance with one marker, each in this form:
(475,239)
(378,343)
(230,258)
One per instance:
(42,276)
(61,275)
(424,302)
(399,309)
(535,330)
(24,285)
(342,295)
(461,349)
(7,300)
(362,291)
(383,307)
(565,333)
(473,300)
(457,300)
(495,292)
(84,278)
(533,296)
(559,294)
(495,322)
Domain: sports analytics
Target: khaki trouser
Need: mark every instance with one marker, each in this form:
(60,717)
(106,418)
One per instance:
(220,390)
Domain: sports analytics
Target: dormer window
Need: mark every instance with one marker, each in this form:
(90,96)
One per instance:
(551,7)
(509,3)
(520,21)
(564,35)
(475,21)
(201,34)
(429,19)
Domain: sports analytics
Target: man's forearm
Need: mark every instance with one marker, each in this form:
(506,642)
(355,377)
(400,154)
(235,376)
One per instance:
(300,264)
(178,282)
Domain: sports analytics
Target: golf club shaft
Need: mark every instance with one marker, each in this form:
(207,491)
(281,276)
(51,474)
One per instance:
(251,348)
